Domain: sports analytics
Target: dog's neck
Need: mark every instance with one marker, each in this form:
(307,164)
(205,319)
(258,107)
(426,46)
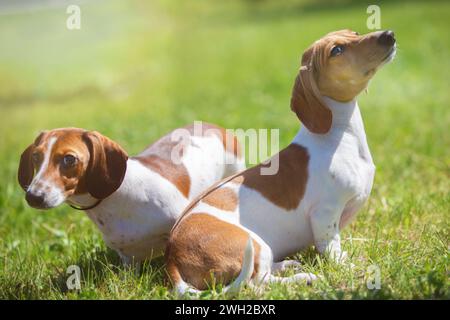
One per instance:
(347,121)
(86,200)
(346,115)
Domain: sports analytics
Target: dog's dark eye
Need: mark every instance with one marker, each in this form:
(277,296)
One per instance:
(337,50)
(69,160)
(356,33)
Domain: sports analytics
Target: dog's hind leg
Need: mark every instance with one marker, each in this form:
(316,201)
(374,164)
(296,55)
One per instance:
(267,267)
(284,265)
(298,277)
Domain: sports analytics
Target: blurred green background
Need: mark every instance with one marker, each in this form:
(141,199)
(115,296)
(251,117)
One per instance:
(137,69)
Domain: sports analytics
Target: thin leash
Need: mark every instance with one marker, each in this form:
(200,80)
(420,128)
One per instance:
(199,198)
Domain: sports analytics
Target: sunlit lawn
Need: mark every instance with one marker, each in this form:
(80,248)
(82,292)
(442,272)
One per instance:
(138,69)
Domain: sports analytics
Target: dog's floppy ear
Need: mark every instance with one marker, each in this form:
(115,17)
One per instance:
(107,165)
(25,173)
(306,101)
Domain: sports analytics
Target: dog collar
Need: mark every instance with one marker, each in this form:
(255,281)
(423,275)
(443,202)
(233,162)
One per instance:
(88,207)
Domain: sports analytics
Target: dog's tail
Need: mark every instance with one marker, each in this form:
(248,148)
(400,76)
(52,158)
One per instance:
(248,264)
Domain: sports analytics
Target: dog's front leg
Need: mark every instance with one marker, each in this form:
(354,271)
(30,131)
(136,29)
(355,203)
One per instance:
(325,226)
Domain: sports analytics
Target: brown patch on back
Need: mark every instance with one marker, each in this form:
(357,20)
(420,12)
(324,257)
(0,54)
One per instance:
(229,141)
(223,199)
(158,157)
(287,187)
(203,247)
(177,174)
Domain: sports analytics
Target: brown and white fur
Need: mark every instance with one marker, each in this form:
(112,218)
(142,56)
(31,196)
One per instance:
(246,225)
(141,196)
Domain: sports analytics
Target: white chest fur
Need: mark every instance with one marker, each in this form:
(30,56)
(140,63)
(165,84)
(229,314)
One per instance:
(340,166)
(342,154)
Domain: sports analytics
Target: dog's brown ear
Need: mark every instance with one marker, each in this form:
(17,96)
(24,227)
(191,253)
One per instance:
(306,101)
(107,165)
(25,172)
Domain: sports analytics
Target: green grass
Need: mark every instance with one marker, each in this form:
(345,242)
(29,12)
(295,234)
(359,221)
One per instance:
(139,69)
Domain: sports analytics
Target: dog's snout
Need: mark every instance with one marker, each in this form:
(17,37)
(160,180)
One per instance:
(387,38)
(34,200)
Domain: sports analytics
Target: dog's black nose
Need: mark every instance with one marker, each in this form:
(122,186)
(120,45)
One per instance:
(34,200)
(387,38)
